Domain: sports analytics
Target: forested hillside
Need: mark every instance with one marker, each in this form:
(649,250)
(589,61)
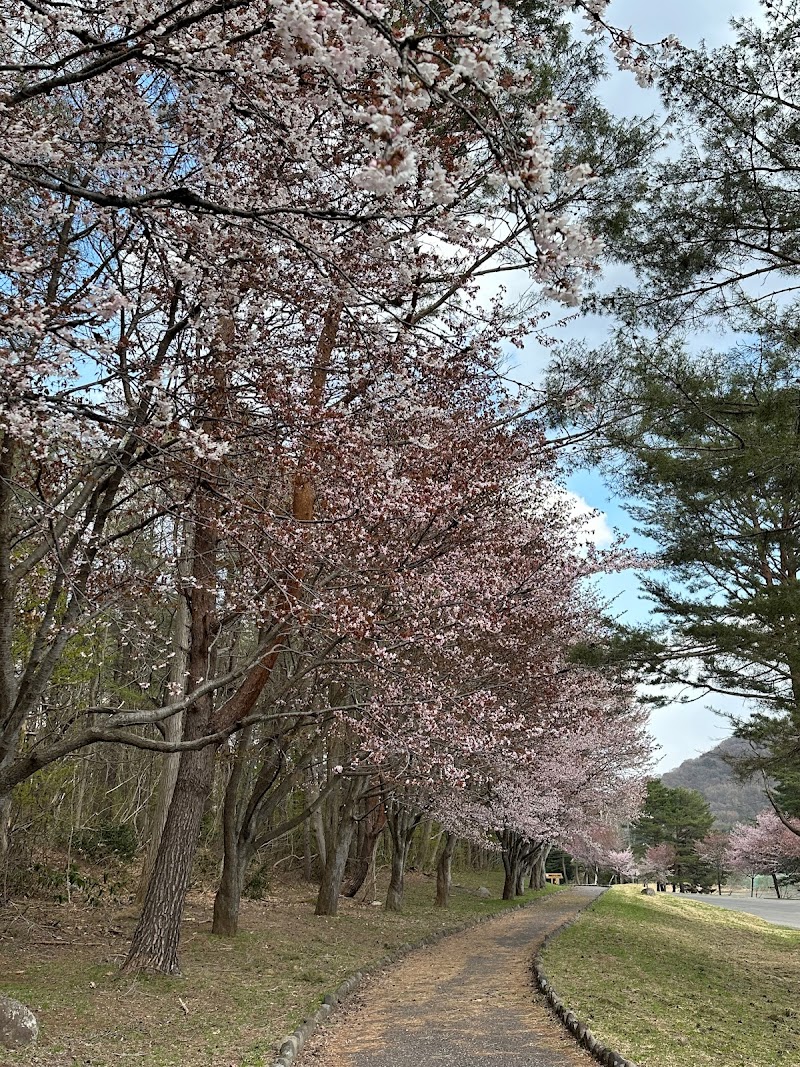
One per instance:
(730,800)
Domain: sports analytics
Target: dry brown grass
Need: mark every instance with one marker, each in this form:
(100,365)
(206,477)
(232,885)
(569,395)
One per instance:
(237,998)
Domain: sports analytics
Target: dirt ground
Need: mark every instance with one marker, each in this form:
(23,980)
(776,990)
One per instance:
(237,997)
(465,1002)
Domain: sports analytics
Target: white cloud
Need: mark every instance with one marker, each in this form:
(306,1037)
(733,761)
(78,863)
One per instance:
(594,522)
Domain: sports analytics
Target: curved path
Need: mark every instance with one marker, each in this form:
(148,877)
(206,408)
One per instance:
(780,912)
(467,1001)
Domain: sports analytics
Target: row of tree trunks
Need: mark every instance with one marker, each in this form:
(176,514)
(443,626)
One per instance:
(522,859)
(339,805)
(249,818)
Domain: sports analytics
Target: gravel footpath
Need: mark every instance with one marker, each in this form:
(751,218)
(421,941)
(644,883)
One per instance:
(464,1002)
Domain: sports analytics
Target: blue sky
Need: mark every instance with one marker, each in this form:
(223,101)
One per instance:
(682,730)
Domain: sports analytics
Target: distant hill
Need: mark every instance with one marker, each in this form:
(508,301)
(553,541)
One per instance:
(730,800)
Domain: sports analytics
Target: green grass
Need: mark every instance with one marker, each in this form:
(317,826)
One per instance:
(675,983)
(237,997)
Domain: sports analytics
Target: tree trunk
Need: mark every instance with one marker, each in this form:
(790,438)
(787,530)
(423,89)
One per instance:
(776,884)
(5,827)
(363,864)
(538,876)
(510,868)
(396,890)
(228,898)
(444,871)
(154,946)
(307,871)
(318,826)
(402,824)
(236,856)
(510,881)
(173,728)
(330,886)
(512,858)
(339,827)
(374,823)
(427,845)
(519,888)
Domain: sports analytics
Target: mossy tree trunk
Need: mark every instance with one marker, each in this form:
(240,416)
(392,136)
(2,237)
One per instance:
(339,825)
(402,824)
(444,869)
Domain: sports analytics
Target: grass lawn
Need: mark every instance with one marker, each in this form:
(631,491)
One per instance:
(237,998)
(675,983)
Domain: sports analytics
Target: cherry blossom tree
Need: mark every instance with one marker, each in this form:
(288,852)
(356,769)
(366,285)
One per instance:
(769,847)
(250,383)
(622,863)
(659,863)
(157,251)
(713,849)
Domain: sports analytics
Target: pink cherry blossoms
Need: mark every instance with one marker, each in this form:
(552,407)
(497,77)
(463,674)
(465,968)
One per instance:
(770,847)
(261,468)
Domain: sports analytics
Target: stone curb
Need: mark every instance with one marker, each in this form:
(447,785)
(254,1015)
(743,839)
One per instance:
(292,1045)
(579,1030)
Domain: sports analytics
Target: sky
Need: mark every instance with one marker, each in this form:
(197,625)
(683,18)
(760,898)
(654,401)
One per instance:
(681,730)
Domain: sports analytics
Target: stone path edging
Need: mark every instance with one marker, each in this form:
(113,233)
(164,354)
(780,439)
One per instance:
(579,1030)
(292,1045)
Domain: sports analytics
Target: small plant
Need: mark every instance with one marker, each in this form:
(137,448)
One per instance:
(257,884)
(106,840)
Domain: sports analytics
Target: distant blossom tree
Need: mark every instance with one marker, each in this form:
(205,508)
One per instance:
(769,847)
(713,849)
(659,863)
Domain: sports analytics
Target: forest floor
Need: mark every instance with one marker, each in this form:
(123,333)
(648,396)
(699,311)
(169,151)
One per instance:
(237,997)
(671,982)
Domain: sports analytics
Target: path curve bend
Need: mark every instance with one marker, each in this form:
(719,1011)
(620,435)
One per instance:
(466,1001)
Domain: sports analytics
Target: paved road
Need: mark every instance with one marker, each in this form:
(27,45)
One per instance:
(465,1002)
(780,912)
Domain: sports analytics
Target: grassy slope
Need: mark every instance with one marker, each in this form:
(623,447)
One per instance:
(237,997)
(675,983)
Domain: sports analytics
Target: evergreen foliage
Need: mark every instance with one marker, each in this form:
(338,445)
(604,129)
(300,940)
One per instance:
(717,230)
(677,817)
